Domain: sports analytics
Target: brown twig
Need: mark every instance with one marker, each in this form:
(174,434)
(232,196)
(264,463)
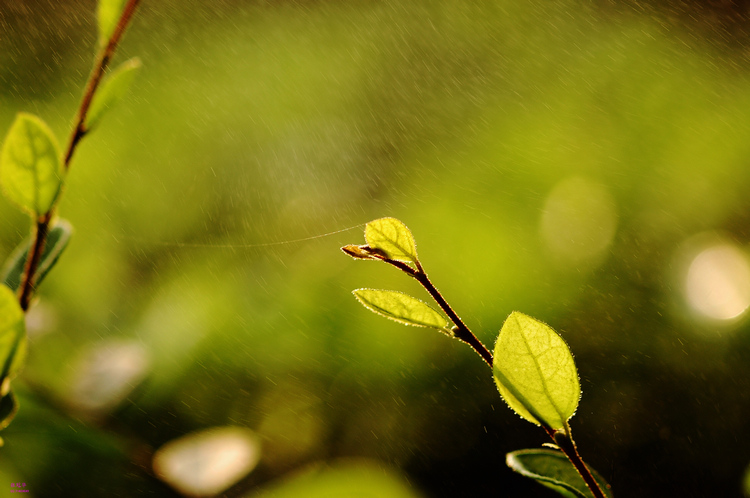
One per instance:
(460,331)
(565,442)
(563,439)
(39,235)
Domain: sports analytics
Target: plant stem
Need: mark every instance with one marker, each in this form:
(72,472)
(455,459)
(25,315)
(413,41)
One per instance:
(102,61)
(461,331)
(564,441)
(39,235)
(36,250)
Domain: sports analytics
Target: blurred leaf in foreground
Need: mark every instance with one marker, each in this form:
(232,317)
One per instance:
(57,241)
(30,170)
(112,90)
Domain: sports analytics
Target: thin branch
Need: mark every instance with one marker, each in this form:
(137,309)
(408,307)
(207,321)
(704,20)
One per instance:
(39,235)
(565,442)
(563,439)
(32,261)
(461,331)
(100,66)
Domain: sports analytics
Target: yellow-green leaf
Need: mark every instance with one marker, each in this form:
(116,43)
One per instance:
(535,372)
(30,165)
(393,238)
(112,90)
(401,308)
(108,13)
(12,338)
(553,469)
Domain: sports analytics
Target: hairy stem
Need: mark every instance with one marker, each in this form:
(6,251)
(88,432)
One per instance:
(564,441)
(461,331)
(39,235)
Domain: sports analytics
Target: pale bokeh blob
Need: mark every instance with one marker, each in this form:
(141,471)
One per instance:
(717,283)
(205,463)
(579,221)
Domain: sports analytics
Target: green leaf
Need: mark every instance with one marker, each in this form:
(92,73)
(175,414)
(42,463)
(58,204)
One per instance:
(535,372)
(553,469)
(393,238)
(401,308)
(108,13)
(8,409)
(30,165)
(12,338)
(113,89)
(57,241)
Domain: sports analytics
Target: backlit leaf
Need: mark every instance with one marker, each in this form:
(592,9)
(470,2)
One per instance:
(108,13)
(553,469)
(401,308)
(57,241)
(393,238)
(535,372)
(112,90)
(30,165)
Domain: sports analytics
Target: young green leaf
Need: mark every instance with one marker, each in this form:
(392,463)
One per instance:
(12,338)
(401,308)
(393,238)
(8,409)
(552,469)
(57,241)
(113,89)
(535,372)
(30,165)
(108,13)
(358,252)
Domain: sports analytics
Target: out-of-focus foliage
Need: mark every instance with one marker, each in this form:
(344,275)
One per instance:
(113,89)
(30,169)
(583,162)
(57,240)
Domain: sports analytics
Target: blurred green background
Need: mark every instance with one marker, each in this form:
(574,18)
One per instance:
(582,162)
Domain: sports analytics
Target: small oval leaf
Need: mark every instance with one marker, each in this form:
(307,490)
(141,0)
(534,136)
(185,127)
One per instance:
(57,241)
(552,469)
(30,165)
(401,308)
(535,372)
(393,238)
(12,337)
(113,89)
(108,13)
